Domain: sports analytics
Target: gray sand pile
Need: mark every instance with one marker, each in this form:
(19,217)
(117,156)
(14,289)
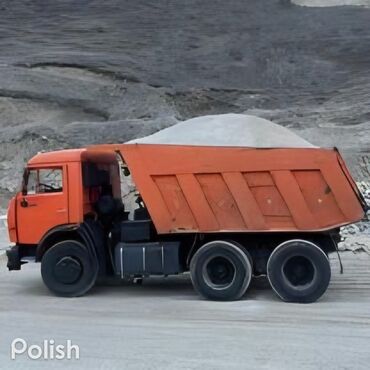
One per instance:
(227,130)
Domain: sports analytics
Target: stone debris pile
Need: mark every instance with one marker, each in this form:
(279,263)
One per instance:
(356,237)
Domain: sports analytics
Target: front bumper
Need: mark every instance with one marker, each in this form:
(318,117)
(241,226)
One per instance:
(14,258)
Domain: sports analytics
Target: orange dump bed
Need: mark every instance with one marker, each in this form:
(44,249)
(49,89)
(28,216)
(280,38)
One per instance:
(217,189)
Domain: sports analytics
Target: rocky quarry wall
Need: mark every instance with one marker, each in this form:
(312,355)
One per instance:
(75,73)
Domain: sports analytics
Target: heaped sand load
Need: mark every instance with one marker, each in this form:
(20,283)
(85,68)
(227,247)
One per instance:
(227,130)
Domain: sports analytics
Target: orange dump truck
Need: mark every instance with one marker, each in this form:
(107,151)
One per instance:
(225,214)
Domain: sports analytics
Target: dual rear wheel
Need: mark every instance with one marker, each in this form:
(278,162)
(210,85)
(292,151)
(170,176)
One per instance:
(221,270)
(298,271)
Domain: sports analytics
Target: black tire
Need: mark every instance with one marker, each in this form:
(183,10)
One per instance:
(299,271)
(221,270)
(68,270)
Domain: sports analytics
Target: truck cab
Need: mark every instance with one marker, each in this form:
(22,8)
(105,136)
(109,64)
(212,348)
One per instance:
(60,189)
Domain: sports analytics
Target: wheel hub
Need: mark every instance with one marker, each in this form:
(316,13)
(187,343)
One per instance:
(219,272)
(299,271)
(68,270)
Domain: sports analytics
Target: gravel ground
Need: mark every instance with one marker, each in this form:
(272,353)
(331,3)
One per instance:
(164,325)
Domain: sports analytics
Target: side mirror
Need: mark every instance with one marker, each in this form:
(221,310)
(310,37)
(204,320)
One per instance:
(25,182)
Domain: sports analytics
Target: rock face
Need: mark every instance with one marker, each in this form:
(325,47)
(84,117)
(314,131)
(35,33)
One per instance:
(91,71)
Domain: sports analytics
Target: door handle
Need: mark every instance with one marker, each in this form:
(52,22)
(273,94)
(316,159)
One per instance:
(62,210)
(24,203)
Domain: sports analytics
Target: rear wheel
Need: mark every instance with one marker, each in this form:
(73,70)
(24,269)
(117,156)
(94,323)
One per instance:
(221,270)
(299,271)
(68,269)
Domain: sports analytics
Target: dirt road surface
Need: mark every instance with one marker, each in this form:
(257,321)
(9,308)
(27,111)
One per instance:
(164,325)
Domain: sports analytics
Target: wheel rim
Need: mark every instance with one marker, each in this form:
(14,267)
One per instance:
(68,270)
(219,272)
(299,271)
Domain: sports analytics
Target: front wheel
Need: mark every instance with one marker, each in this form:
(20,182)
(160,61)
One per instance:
(221,270)
(68,270)
(299,271)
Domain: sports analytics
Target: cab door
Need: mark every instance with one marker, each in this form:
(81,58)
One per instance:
(42,204)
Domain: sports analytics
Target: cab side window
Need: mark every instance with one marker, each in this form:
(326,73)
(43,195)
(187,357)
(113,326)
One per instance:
(45,180)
